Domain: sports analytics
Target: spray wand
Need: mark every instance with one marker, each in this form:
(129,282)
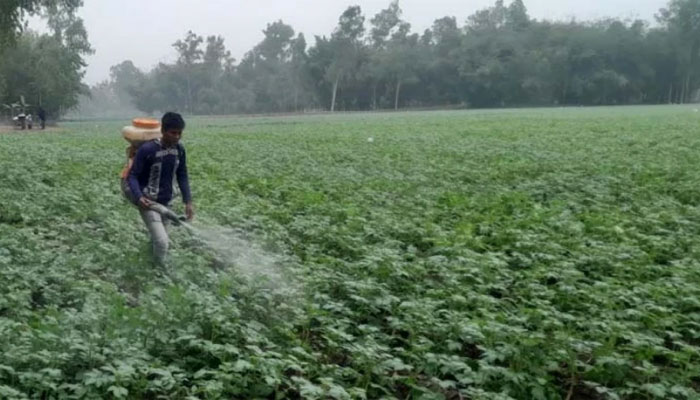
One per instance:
(169,214)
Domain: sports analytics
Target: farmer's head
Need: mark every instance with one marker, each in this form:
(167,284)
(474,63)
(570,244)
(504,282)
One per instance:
(172,126)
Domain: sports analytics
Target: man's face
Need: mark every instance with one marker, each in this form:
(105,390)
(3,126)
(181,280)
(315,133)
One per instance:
(172,136)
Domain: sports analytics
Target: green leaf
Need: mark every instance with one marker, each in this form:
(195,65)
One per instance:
(118,391)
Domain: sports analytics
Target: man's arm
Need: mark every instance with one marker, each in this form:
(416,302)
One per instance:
(184,182)
(140,165)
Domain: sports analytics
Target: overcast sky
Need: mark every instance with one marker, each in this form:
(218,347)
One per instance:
(144,30)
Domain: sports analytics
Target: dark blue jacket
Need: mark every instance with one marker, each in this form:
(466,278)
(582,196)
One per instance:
(154,171)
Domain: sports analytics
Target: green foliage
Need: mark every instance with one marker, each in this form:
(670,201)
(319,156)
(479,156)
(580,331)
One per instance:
(46,70)
(682,20)
(529,254)
(14,12)
(498,57)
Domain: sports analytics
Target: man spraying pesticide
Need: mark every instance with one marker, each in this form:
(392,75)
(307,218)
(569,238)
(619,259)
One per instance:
(155,161)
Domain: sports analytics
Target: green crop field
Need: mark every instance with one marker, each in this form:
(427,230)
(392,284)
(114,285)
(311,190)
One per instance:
(520,254)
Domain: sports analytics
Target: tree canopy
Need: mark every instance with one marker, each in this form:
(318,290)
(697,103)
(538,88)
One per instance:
(14,12)
(44,69)
(499,56)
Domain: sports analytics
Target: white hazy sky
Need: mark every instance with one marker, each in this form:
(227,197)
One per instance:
(144,30)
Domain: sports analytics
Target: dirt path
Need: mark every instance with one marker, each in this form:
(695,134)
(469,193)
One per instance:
(9,129)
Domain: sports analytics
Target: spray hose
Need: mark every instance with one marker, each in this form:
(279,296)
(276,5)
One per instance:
(167,213)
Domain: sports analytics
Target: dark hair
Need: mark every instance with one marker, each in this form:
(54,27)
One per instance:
(172,120)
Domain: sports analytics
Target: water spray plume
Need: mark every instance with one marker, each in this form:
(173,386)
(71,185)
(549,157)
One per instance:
(233,249)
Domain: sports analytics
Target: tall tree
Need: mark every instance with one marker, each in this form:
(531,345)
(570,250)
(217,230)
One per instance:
(346,45)
(401,61)
(384,25)
(299,70)
(488,19)
(267,70)
(189,55)
(126,81)
(682,17)
(442,80)
(516,16)
(214,62)
(215,55)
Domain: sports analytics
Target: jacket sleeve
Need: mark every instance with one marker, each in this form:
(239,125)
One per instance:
(182,178)
(140,164)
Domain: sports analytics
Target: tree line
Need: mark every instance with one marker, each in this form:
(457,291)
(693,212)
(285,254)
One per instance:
(497,57)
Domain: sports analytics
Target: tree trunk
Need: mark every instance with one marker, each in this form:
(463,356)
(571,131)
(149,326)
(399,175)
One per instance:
(681,99)
(335,91)
(676,93)
(670,93)
(374,96)
(296,99)
(694,48)
(398,93)
(189,94)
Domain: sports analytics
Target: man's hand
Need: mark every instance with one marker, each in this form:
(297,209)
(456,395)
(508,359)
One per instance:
(189,211)
(144,203)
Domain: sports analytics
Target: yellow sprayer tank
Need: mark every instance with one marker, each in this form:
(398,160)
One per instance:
(140,131)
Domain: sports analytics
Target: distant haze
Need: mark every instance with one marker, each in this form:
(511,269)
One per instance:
(143,31)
